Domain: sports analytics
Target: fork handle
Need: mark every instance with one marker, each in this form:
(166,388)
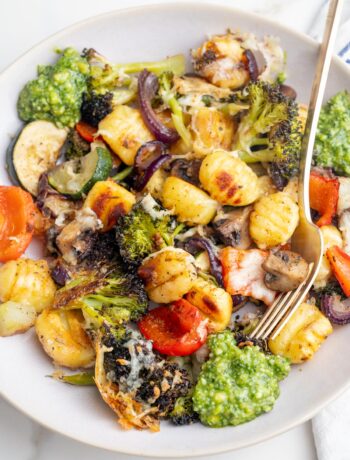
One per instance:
(315,104)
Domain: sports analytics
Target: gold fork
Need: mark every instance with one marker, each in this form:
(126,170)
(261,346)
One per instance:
(307,239)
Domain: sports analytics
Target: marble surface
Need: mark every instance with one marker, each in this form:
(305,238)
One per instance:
(22,24)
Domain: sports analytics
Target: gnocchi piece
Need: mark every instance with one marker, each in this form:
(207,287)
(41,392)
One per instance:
(273,220)
(303,334)
(28,283)
(63,337)
(189,203)
(228,179)
(156,183)
(266,186)
(292,189)
(220,60)
(109,201)
(331,237)
(15,318)
(124,131)
(211,130)
(214,302)
(168,274)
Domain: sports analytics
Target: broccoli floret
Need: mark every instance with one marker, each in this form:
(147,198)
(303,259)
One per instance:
(142,373)
(76,146)
(183,413)
(114,299)
(270,132)
(56,94)
(332,147)
(139,234)
(95,107)
(119,79)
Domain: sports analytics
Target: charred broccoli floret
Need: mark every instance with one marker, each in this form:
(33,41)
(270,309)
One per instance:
(139,234)
(183,413)
(270,132)
(140,372)
(95,107)
(119,79)
(113,299)
(76,146)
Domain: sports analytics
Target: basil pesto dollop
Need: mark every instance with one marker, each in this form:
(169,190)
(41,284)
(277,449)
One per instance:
(236,384)
(332,147)
(56,95)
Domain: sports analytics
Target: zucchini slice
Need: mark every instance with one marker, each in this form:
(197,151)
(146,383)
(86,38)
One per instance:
(76,177)
(33,152)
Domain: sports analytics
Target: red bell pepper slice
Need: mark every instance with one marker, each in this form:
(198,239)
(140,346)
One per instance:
(324,194)
(340,264)
(86,131)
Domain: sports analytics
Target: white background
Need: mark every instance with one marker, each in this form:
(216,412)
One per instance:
(22,24)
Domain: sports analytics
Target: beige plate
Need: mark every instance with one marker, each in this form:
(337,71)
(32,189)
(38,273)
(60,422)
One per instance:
(147,33)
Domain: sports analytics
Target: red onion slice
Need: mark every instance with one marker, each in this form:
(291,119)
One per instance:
(252,65)
(147,153)
(143,177)
(336,309)
(147,89)
(193,244)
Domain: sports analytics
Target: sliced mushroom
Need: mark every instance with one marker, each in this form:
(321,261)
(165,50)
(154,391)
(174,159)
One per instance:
(187,170)
(285,270)
(232,229)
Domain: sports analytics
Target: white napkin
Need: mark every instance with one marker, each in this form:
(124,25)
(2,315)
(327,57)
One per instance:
(331,425)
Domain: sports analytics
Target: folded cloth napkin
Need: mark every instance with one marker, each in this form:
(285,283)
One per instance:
(331,425)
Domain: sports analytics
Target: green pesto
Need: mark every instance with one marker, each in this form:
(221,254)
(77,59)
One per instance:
(236,384)
(332,147)
(56,94)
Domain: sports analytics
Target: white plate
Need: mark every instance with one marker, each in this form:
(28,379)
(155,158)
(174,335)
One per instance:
(148,33)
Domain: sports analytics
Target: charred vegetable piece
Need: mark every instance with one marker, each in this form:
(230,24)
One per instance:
(34,152)
(324,194)
(76,177)
(334,304)
(139,385)
(139,233)
(149,158)
(17,214)
(76,145)
(183,413)
(96,107)
(175,330)
(340,264)
(233,228)
(86,131)
(286,270)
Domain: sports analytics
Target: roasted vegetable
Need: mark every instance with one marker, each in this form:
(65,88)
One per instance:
(124,131)
(143,231)
(28,283)
(213,302)
(270,132)
(302,335)
(62,335)
(76,177)
(96,107)
(113,298)
(273,220)
(228,179)
(333,303)
(109,201)
(34,152)
(17,215)
(324,194)
(177,194)
(137,384)
(183,413)
(76,146)
(168,274)
(340,265)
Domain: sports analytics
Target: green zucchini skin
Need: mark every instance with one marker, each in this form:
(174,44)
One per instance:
(58,177)
(10,168)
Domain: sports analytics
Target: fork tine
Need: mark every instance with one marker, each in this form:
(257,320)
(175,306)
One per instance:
(281,310)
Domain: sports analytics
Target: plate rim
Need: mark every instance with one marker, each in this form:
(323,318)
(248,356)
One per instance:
(189,5)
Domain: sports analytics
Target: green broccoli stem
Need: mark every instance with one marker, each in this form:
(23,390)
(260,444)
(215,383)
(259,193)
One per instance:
(178,120)
(81,379)
(263,156)
(175,64)
(123,174)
